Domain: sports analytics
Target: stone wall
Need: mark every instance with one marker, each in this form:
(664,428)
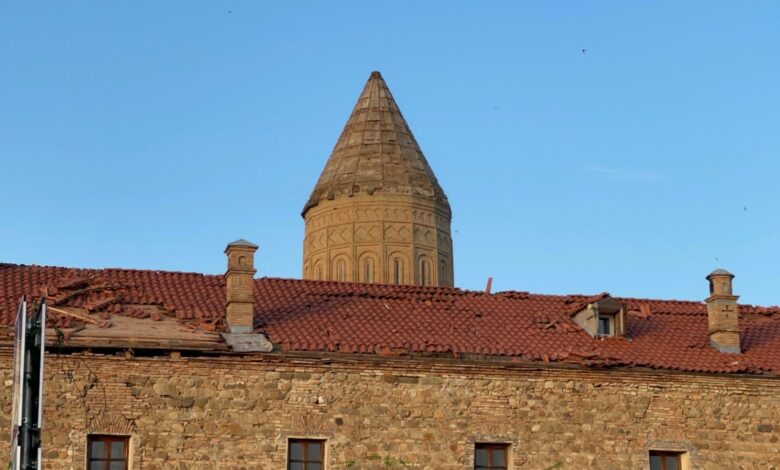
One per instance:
(237,413)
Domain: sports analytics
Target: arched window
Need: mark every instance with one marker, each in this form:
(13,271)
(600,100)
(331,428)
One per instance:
(442,272)
(425,271)
(368,270)
(341,270)
(319,272)
(397,273)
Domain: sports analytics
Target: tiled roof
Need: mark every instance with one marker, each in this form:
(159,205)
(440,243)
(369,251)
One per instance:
(302,315)
(376,152)
(187,296)
(360,318)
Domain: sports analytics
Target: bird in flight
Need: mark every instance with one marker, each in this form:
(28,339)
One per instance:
(584,51)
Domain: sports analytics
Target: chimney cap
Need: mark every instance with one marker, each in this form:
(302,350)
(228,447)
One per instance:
(242,242)
(720,272)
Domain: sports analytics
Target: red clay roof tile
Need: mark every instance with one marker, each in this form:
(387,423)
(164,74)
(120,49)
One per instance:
(303,315)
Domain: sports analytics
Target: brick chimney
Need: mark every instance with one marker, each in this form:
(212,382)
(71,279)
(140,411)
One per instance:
(723,313)
(240,300)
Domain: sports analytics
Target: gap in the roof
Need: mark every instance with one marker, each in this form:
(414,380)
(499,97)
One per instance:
(584,147)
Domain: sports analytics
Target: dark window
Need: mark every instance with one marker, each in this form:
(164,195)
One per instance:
(305,454)
(368,271)
(425,272)
(107,452)
(397,271)
(607,325)
(491,456)
(661,460)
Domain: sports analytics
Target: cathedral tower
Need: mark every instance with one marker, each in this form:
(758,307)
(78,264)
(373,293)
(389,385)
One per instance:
(377,213)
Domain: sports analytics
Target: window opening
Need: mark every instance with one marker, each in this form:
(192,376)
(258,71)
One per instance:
(490,456)
(305,454)
(606,325)
(368,270)
(664,460)
(425,272)
(107,452)
(397,271)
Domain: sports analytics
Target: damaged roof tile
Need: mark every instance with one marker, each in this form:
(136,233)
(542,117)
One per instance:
(322,316)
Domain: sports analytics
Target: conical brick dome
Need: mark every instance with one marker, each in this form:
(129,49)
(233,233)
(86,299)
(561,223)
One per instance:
(376,152)
(377,213)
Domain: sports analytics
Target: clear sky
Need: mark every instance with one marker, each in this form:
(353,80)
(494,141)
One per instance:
(150,134)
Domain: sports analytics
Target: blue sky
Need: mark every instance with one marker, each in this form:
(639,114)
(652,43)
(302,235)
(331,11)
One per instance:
(150,134)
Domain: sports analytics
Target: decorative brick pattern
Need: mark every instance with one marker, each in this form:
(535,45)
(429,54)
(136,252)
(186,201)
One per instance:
(389,227)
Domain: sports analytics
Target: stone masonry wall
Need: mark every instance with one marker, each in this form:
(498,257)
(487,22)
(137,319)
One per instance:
(379,413)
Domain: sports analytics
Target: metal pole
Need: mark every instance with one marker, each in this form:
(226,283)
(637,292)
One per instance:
(27,405)
(30,432)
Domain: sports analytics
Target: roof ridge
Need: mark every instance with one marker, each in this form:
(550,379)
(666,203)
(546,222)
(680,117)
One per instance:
(644,299)
(442,289)
(70,268)
(364,284)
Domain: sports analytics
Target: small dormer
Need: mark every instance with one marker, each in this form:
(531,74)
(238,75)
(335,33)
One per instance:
(607,317)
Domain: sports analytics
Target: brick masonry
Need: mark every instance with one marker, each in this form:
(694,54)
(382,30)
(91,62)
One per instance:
(238,412)
(379,229)
(378,203)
